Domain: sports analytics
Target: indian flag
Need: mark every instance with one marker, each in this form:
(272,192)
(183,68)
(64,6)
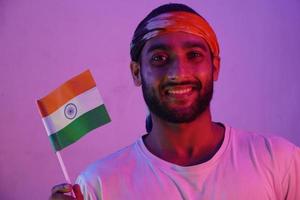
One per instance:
(72,110)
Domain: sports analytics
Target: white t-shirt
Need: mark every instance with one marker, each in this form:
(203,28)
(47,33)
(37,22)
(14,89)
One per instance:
(246,167)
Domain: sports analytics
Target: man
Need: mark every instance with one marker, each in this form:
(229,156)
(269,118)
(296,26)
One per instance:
(185,155)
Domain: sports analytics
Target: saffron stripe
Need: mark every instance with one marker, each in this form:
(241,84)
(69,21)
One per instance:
(65,92)
(79,127)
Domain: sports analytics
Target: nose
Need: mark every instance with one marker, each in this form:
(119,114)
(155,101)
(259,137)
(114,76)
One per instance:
(179,69)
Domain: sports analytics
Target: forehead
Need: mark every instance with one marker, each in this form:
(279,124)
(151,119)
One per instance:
(175,40)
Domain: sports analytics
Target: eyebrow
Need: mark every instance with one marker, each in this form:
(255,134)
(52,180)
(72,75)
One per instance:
(158,46)
(195,45)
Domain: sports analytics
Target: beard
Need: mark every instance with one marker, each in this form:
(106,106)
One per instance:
(180,115)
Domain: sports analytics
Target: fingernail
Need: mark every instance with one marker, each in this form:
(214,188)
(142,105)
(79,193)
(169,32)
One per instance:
(67,187)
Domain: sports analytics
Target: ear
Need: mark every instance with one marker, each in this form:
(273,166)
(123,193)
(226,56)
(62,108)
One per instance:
(216,67)
(136,73)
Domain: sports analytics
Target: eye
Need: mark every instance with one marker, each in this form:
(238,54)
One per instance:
(195,55)
(159,59)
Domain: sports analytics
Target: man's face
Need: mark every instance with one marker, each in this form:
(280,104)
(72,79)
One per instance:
(177,74)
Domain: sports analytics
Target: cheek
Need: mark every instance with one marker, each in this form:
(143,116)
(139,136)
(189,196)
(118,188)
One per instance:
(152,76)
(204,74)
(205,77)
(205,68)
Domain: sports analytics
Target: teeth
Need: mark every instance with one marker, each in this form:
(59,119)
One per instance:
(180,91)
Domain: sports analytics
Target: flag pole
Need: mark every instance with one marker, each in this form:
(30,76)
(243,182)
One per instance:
(64,170)
(63,167)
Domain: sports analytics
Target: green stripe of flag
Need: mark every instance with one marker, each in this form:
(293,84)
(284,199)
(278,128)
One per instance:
(79,127)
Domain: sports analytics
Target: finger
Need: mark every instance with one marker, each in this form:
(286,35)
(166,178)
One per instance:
(62,188)
(60,196)
(77,191)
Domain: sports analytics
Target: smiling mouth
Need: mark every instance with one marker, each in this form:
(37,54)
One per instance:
(179,90)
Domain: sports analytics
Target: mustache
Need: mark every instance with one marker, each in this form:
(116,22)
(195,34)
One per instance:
(197,84)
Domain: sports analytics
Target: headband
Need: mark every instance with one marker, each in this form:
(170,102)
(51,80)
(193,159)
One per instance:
(179,21)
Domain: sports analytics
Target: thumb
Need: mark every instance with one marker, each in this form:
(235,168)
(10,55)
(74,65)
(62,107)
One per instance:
(77,192)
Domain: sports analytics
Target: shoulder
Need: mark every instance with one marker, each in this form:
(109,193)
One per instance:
(266,150)
(269,143)
(106,170)
(112,165)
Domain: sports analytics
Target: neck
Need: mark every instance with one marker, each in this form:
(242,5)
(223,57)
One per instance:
(185,143)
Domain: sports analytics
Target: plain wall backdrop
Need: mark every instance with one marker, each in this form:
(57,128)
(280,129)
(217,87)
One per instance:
(44,43)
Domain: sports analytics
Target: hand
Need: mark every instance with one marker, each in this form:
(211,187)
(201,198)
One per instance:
(58,192)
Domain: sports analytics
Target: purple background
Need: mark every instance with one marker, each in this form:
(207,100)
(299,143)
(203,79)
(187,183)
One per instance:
(44,43)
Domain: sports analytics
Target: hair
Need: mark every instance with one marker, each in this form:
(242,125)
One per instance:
(136,49)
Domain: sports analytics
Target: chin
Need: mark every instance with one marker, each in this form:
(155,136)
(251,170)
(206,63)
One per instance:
(183,115)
